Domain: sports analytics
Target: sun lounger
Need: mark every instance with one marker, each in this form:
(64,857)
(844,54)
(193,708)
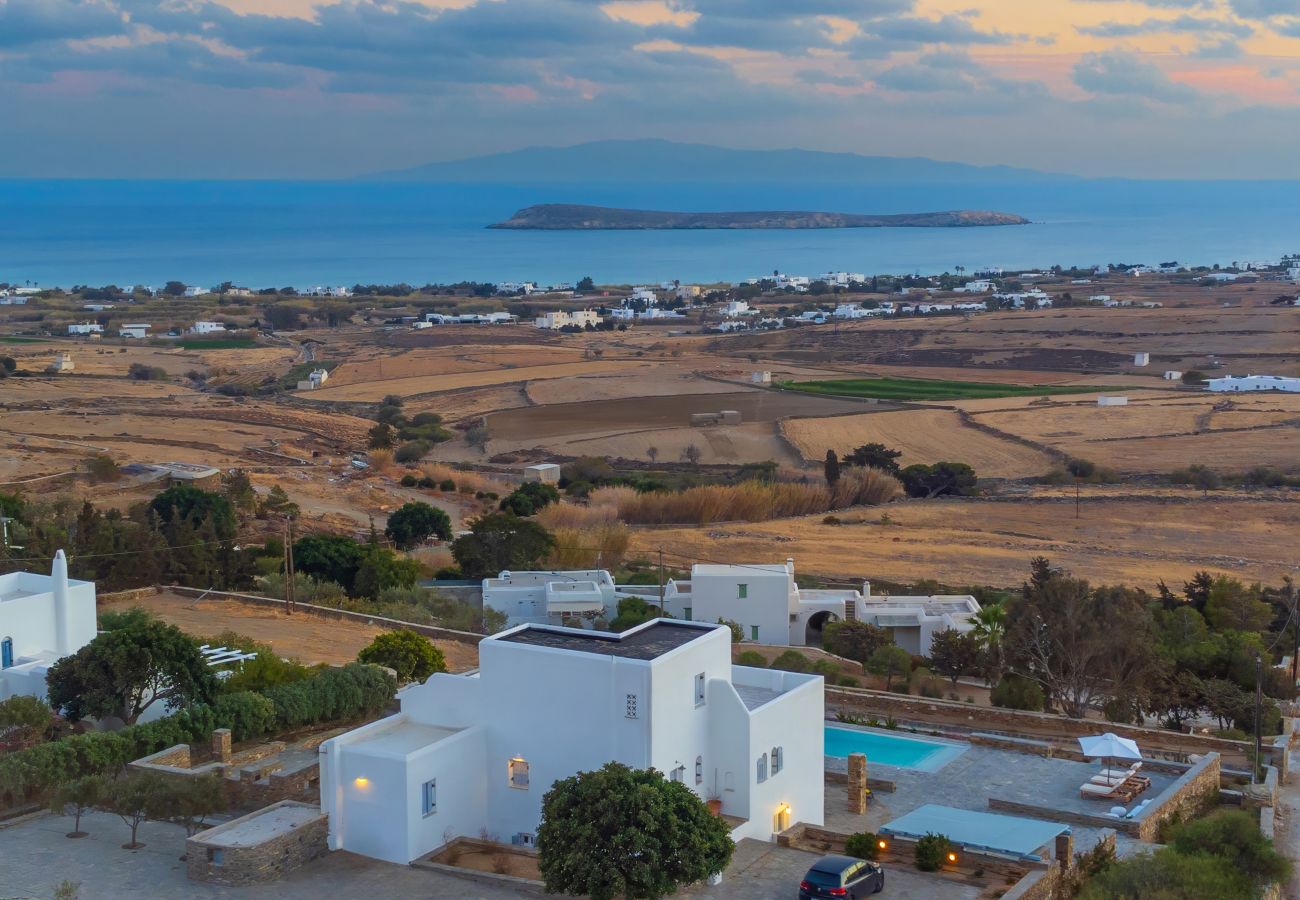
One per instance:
(1121,791)
(1140,782)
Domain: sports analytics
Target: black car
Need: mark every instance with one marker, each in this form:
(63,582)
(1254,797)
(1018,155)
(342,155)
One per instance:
(842,876)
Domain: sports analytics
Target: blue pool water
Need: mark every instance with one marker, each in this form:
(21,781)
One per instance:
(891,750)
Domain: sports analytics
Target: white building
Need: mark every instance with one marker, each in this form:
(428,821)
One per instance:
(1254,383)
(575,599)
(562,318)
(1172,375)
(206,328)
(43,618)
(516,287)
(1112,400)
(851,311)
(314,380)
(62,363)
(760,377)
(976,287)
(688,291)
(771,609)
(1141,359)
(737,308)
(195,291)
(137,330)
(474,754)
(86,328)
(546,473)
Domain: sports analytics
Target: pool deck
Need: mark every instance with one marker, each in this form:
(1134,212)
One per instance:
(970,779)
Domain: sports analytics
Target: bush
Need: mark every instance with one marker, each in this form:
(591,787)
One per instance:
(266,670)
(412,451)
(931,852)
(414,523)
(409,480)
(25,711)
(529,498)
(245,713)
(1017,692)
(1233,835)
(863,845)
(791,661)
(410,655)
(427,483)
(446,485)
(751,658)
(332,695)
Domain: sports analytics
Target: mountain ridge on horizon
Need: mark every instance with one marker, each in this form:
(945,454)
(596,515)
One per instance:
(656,160)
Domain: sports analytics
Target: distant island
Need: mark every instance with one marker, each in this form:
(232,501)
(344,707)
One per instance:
(573,217)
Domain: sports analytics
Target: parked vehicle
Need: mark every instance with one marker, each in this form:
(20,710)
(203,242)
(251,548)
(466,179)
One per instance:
(842,877)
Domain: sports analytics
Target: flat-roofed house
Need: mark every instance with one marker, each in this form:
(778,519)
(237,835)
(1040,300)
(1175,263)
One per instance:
(571,598)
(43,618)
(475,753)
(771,608)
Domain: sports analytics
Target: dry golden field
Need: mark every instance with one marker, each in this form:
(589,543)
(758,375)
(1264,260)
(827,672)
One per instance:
(1124,539)
(923,435)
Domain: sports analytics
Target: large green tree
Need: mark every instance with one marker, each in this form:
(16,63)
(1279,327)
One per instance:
(136,662)
(854,640)
(501,541)
(329,557)
(621,832)
(412,523)
(410,655)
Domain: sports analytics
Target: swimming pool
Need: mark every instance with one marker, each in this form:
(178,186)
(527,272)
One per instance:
(891,749)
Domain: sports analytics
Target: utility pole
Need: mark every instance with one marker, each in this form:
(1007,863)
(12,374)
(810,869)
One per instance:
(661,579)
(290,579)
(1295,628)
(1076,496)
(1259,704)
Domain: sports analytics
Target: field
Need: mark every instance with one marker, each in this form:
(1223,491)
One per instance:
(306,638)
(218,344)
(1121,537)
(905,389)
(923,435)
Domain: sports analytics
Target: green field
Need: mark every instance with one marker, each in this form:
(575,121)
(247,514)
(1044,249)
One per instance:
(218,344)
(14,339)
(926,389)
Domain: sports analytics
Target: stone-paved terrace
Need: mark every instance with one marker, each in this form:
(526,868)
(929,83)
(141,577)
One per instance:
(969,780)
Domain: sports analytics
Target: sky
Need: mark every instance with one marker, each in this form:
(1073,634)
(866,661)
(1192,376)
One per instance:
(320,89)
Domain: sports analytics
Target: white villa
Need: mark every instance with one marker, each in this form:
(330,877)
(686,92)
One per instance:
(314,379)
(771,609)
(135,330)
(574,599)
(561,319)
(42,619)
(86,328)
(1254,383)
(206,328)
(473,754)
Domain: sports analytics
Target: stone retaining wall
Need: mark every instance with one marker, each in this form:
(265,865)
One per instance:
(206,859)
(326,612)
(130,596)
(883,704)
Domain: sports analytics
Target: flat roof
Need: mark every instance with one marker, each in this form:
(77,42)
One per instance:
(259,827)
(404,737)
(1010,835)
(647,642)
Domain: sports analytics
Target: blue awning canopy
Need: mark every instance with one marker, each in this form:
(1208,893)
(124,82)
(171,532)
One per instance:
(992,832)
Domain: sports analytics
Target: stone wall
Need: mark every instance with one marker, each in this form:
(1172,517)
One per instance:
(325,612)
(132,596)
(207,859)
(1039,884)
(883,704)
(1184,797)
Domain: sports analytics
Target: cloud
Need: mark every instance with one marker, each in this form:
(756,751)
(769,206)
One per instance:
(27,22)
(1263,9)
(1184,24)
(1123,74)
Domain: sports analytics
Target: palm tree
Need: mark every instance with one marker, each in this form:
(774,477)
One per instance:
(990,631)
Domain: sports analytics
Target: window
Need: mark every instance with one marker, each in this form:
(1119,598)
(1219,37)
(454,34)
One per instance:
(631,707)
(699,689)
(6,653)
(778,759)
(519,773)
(699,770)
(762,768)
(753,632)
(430,799)
(742,591)
(686,613)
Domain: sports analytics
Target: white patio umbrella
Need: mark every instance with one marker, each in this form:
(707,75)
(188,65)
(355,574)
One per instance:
(1109,746)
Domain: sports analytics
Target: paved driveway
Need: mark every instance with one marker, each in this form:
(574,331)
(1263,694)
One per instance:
(35,857)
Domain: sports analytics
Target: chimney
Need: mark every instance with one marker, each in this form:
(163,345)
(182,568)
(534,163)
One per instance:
(59,576)
(789,565)
(866,590)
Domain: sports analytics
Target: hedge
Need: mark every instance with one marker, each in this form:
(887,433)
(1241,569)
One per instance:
(332,695)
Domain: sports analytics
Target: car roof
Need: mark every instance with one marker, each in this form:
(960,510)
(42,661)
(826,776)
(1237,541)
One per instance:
(835,864)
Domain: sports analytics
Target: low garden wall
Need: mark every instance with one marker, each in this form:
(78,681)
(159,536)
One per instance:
(130,596)
(328,612)
(883,704)
(265,850)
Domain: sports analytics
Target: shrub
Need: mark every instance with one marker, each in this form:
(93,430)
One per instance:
(332,695)
(26,711)
(412,656)
(245,713)
(409,480)
(447,484)
(1235,836)
(412,451)
(751,658)
(529,498)
(931,852)
(848,681)
(863,845)
(102,468)
(427,483)
(791,661)
(414,523)
(1017,692)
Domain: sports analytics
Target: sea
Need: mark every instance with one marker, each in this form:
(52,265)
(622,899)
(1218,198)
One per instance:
(296,233)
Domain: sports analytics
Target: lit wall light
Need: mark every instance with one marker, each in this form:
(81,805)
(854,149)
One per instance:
(362,782)
(952,857)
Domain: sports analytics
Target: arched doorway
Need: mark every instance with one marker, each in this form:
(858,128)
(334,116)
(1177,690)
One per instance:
(817,622)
